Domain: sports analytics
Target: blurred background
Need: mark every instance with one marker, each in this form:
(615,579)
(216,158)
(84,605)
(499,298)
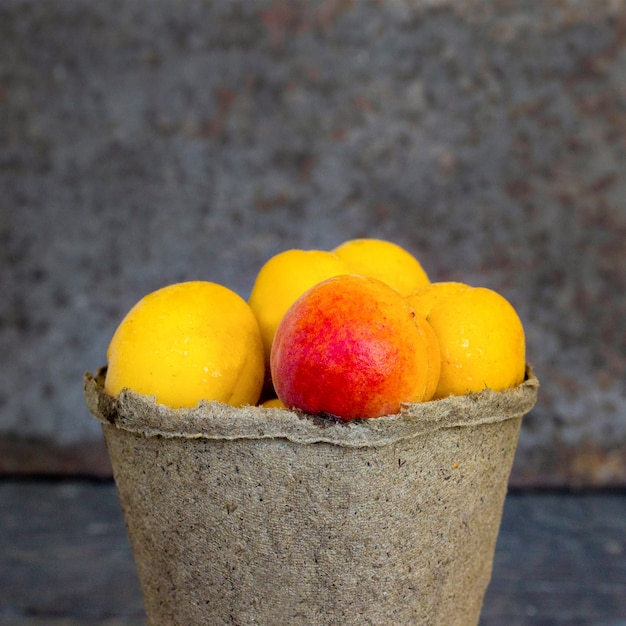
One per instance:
(147,143)
(141,146)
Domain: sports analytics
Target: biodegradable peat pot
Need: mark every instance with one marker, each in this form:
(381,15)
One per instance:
(273,517)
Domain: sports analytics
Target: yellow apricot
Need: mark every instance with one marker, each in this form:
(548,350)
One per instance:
(424,298)
(188,342)
(482,342)
(385,261)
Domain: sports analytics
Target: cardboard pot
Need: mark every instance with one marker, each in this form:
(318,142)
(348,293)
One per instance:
(273,517)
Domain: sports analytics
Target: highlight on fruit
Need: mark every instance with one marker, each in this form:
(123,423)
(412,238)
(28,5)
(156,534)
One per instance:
(353,332)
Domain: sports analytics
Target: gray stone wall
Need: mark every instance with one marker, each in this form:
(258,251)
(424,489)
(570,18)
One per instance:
(143,143)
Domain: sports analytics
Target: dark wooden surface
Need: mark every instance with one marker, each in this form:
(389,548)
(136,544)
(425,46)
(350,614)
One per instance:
(65,559)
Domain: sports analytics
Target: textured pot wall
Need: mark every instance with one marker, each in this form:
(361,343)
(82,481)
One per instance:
(147,143)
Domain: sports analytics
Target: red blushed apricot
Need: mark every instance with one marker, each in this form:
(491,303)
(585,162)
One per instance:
(350,347)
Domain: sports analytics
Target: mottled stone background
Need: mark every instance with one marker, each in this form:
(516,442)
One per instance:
(143,143)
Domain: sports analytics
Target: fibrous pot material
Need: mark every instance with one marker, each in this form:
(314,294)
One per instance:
(268,516)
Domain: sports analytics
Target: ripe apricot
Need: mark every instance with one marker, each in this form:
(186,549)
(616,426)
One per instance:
(188,342)
(433,355)
(384,260)
(482,342)
(273,403)
(349,347)
(424,298)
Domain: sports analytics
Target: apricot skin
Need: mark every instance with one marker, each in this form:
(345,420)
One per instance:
(349,347)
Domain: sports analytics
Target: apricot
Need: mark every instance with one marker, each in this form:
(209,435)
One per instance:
(188,342)
(385,260)
(273,403)
(482,342)
(424,298)
(349,347)
(433,353)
